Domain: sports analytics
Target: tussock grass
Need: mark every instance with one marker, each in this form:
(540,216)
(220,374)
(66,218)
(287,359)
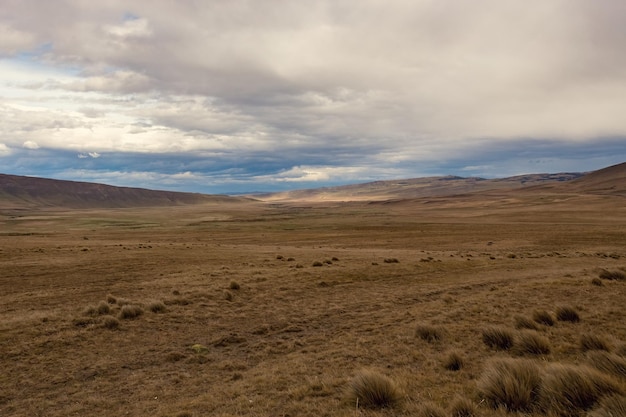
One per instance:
(566,313)
(111,299)
(498,338)
(567,390)
(510,383)
(543,317)
(463,407)
(522,322)
(612,275)
(589,341)
(234,285)
(110,322)
(429,409)
(98,310)
(597,281)
(606,362)
(428,332)
(611,406)
(130,311)
(157,307)
(371,389)
(453,361)
(531,343)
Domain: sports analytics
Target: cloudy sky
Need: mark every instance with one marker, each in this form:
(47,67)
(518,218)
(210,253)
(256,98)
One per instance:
(235,96)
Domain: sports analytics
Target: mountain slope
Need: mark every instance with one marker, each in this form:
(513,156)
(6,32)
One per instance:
(18,191)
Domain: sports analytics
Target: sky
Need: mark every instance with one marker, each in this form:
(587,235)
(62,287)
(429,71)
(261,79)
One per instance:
(240,96)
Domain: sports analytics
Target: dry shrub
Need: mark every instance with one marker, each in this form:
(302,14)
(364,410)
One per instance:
(110,322)
(429,409)
(234,285)
(590,341)
(130,311)
(510,383)
(543,317)
(157,307)
(428,333)
(463,407)
(566,313)
(498,338)
(371,389)
(531,343)
(318,263)
(606,362)
(522,322)
(611,406)
(612,275)
(567,390)
(453,361)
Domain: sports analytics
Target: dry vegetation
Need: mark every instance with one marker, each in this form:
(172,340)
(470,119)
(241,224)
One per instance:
(459,306)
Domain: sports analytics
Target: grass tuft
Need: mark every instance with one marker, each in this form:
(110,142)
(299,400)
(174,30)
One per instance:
(566,313)
(130,311)
(597,281)
(612,275)
(463,407)
(589,341)
(498,338)
(543,317)
(611,406)
(429,409)
(567,390)
(532,343)
(234,285)
(522,322)
(428,333)
(157,307)
(606,362)
(453,361)
(510,383)
(370,389)
(111,323)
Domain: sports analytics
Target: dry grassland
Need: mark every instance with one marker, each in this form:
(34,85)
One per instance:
(218,310)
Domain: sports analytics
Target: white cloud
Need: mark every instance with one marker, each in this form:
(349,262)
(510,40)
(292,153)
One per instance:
(29,144)
(4,150)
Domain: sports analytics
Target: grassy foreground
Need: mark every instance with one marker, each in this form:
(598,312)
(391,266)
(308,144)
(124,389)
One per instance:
(451,308)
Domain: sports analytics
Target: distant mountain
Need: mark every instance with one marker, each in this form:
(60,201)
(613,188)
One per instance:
(22,192)
(609,180)
(418,187)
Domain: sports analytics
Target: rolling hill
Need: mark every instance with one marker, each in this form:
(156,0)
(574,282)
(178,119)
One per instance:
(26,192)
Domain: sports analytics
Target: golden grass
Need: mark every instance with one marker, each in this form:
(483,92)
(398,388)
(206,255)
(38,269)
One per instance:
(371,389)
(510,383)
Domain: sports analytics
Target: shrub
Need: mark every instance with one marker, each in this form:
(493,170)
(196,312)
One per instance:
(130,311)
(111,322)
(568,389)
(498,338)
(510,383)
(609,363)
(318,263)
(462,407)
(453,361)
(370,389)
(565,313)
(612,275)
(532,343)
(611,406)
(157,307)
(234,285)
(429,409)
(543,317)
(428,333)
(522,322)
(590,341)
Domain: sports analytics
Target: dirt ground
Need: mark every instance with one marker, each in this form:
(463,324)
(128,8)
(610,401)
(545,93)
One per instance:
(268,309)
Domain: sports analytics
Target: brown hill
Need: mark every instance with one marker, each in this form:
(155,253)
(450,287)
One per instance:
(610,180)
(21,192)
(418,188)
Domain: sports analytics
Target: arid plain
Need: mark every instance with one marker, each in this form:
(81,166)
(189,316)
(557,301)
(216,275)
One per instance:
(272,307)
